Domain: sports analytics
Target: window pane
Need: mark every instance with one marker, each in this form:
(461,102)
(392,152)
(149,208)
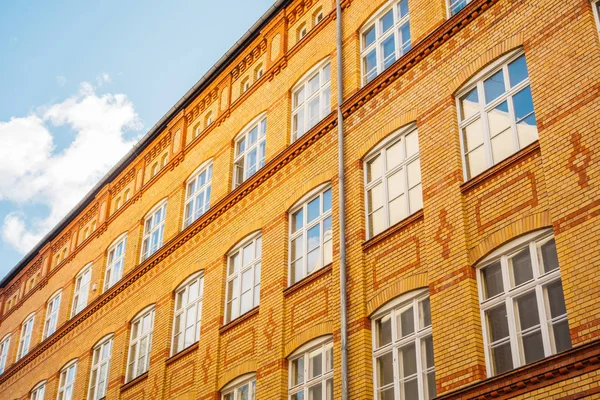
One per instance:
(533,347)
(415,196)
(375,198)
(406,322)
(549,258)
(414,173)
(499,119)
(497,323)
(562,337)
(523,103)
(424,313)
(427,352)
(313,85)
(405,37)
(376,222)
(327,241)
(387,21)
(315,366)
(316,392)
(313,210)
(327,200)
(492,279)
(385,369)
(369,36)
(299,96)
(394,154)
(397,210)
(374,169)
(528,311)
(520,267)
(430,385)
(396,185)
(527,130)
(412,144)
(502,146)
(388,47)
(556,300)
(370,65)
(469,104)
(473,135)
(502,358)
(411,390)
(383,327)
(408,360)
(387,394)
(517,71)
(403,8)
(493,86)
(297,220)
(297,371)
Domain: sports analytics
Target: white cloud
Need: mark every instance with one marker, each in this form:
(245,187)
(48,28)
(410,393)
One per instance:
(103,78)
(30,173)
(61,81)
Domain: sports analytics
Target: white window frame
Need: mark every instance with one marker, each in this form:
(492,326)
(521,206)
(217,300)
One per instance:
(38,391)
(198,201)
(302,31)
(259,72)
(138,360)
(508,298)
(253,267)
(82,290)
(323,94)
(454,6)
(318,17)
(317,193)
(4,346)
(242,170)
(233,388)
(52,310)
(380,151)
(101,366)
(477,82)
(401,45)
(66,387)
(26,336)
(393,309)
(245,84)
(182,312)
(115,262)
(157,226)
(323,344)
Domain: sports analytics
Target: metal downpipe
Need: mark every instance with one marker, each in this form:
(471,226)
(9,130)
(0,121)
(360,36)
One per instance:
(342,206)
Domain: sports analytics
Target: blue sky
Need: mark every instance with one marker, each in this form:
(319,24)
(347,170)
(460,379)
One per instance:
(80,82)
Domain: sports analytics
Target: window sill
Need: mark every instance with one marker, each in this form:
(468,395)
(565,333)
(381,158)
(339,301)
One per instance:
(134,381)
(308,280)
(239,320)
(392,230)
(500,167)
(182,353)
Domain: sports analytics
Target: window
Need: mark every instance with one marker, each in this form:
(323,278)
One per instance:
(318,17)
(52,315)
(302,31)
(311,371)
(4,352)
(310,235)
(114,262)
(155,169)
(523,313)
(164,160)
(243,277)
(127,194)
(245,84)
(250,149)
(403,364)
(209,119)
(259,72)
(242,388)
(188,313)
(457,5)
(82,289)
(66,382)
(86,233)
(118,203)
(197,196)
(384,39)
(25,338)
(393,181)
(311,100)
(496,114)
(154,227)
(37,393)
(140,344)
(93,227)
(100,369)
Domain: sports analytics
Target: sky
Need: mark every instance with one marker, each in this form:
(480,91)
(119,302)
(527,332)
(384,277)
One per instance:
(81,82)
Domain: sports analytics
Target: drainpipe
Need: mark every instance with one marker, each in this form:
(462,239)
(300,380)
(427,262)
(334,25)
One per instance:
(342,207)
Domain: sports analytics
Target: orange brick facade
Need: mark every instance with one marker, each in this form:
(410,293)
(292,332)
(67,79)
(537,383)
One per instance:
(553,183)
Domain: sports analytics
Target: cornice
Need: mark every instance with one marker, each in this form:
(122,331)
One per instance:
(121,183)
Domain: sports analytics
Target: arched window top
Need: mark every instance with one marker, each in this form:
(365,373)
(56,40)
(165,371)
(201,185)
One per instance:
(251,124)
(155,208)
(69,363)
(84,270)
(242,379)
(57,293)
(316,342)
(117,240)
(28,317)
(208,119)
(320,64)
(313,192)
(37,392)
(243,241)
(311,370)
(104,339)
(143,311)
(199,170)
(398,301)
(190,279)
(5,337)
(517,242)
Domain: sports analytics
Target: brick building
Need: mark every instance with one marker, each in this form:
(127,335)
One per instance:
(206,264)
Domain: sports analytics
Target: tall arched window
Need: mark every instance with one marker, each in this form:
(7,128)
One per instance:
(250,150)
(241,388)
(523,312)
(4,344)
(393,180)
(384,38)
(38,391)
(197,193)
(243,277)
(403,349)
(496,114)
(154,228)
(100,368)
(140,343)
(311,234)
(115,261)
(311,371)
(66,381)
(82,289)
(26,334)
(51,319)
(188,313)
(311,99)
